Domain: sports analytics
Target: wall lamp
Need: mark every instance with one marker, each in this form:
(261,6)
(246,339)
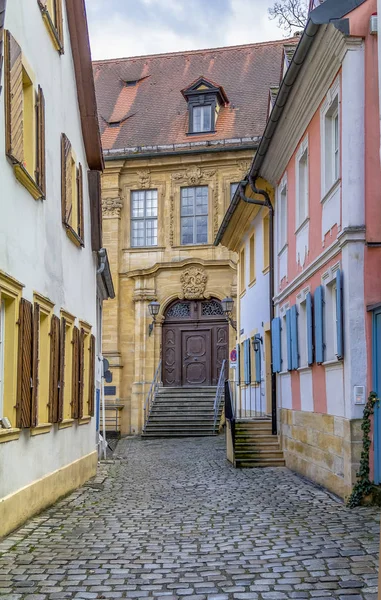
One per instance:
(153,309)
(257,341)
(227,307)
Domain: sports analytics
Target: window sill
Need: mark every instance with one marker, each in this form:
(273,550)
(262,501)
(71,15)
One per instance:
(302,225)
(57,43)
(304,368)
(266,270)
(190,246)
(331,190)
(201,132)
(253,282)
(332,363)
(242,294)
(73,236)
(41,428)
(283,249)
(7,435)
(145,248)
(84,420)
(28,182)
(65,423)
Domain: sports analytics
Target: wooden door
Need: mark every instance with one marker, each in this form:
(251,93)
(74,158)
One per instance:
(196,357)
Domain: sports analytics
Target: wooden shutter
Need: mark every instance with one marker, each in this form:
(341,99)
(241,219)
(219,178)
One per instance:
(238,364)
(257,355)
(54,368)
(24,376)
(294,338)
(75,374)
(339,315)
(66,180)
(91,375)
(35,364)
(14,103)
(247,366)
(40,163)
(288,333)
(81,229)
(61,376)
(310,334)
(318,318)
(94,187)
(59,22)
(276,346)
(81,371)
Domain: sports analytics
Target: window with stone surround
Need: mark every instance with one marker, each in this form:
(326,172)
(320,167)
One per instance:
(143,218)
(194,215)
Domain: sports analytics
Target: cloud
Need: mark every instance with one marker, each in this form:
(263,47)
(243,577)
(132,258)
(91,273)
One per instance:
(134,27)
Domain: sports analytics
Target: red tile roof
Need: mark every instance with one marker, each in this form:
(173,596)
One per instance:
(154,113)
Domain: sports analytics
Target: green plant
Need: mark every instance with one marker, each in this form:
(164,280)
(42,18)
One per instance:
(363,486)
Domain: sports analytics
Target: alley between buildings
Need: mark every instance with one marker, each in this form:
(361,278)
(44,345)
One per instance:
(171,519)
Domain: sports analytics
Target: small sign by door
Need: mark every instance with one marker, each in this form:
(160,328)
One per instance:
(233,355)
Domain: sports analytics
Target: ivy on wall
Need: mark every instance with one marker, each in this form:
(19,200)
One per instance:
(363,486)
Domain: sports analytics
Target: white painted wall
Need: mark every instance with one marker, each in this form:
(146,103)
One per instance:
(34,247)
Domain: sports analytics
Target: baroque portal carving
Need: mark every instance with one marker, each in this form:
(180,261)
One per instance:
(193,175)
(193,282)
(111,207)
(144,178)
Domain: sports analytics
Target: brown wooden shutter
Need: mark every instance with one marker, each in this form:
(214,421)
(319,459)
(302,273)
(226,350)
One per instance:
(61,376)
(40,168)
(66,180)
(35,364)
(54,368)
(59,22)
(24,376)
(81,230)
(14,141)
(91,376)
(75,374)
(81,371)
(94,187)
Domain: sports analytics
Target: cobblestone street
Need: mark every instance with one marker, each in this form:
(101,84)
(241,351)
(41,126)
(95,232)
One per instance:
(171,519)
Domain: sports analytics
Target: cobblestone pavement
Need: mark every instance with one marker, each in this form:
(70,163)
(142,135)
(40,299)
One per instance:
(174,520)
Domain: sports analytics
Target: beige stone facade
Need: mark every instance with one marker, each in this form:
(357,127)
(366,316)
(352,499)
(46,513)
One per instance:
(324,448)
(159,272)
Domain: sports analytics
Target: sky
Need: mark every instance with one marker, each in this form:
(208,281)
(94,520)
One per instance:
(120,28)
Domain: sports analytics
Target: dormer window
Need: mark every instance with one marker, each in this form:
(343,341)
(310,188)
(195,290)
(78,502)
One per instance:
(205,99)
(202,118)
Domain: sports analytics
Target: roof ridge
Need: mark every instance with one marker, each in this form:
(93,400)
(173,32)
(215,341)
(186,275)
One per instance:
(199,51)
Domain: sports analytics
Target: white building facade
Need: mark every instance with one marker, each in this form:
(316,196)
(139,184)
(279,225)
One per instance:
(50,232)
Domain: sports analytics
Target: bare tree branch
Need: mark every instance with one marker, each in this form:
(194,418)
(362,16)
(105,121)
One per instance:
(290,14)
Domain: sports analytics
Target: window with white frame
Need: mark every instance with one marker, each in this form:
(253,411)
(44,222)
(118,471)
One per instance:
(202,118)
(144,218)
(302,183)
(194,215)
(2,341)
(284,352)
(302,333)
(282,215)
(330,139)
(330,327)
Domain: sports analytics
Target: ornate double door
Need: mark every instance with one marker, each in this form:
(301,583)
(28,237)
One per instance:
(195,343)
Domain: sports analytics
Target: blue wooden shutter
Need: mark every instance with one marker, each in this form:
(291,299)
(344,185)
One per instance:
(257,354)
(319,325)
(276,348)
(294,338)
(339,315)
(310,346)
(289,345)
(238,364)
(246,354)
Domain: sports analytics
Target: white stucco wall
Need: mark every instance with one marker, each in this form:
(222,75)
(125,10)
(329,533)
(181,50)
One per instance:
(34,247)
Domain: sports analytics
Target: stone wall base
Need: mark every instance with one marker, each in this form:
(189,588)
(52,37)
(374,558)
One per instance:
(324,448)
(16,508)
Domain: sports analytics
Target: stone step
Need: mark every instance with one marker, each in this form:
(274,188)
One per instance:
(269,462)
(177,434)
(258,454)
(261,439)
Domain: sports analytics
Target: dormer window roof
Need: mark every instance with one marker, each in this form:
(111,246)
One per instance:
(205,98)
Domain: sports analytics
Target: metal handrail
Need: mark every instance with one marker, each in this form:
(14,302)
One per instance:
(152,393)
(219,393)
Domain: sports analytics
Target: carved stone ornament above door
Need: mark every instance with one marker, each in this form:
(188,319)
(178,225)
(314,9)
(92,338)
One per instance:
(111,207)
(193,283)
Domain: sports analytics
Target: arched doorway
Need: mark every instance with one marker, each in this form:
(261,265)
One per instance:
(195,343)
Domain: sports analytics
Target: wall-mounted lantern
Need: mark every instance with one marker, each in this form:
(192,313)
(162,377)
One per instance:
(153,309)
(227,307)
(257,341)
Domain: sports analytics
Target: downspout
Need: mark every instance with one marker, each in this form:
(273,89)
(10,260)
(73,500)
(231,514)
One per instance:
(102,259)
(266,203)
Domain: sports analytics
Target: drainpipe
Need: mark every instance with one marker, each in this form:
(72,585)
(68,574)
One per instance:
(102,259)
(267,204)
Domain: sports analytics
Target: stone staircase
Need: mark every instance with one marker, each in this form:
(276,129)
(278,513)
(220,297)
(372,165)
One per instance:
(182,412)
(255,446)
